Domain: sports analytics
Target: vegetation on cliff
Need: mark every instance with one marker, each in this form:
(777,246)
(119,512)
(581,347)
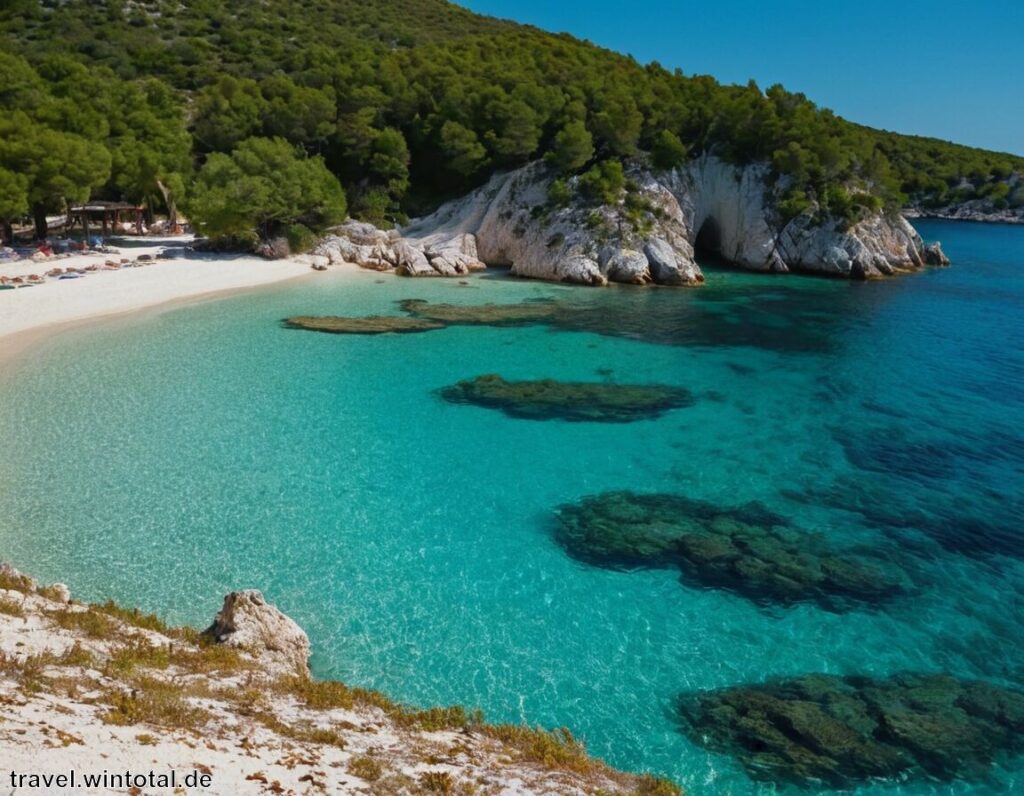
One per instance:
(407,103)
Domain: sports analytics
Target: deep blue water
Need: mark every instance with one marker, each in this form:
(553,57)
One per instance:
(165,459)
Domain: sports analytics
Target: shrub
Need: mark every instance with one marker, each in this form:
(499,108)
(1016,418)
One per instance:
(559,193)
(604,182)
(300,238)
(793,204)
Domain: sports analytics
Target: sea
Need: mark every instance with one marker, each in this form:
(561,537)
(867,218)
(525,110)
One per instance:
(166,458)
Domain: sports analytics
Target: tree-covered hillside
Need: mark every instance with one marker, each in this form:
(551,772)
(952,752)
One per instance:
(405,102)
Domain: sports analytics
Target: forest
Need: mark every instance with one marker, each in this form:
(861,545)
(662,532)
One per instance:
(262,117)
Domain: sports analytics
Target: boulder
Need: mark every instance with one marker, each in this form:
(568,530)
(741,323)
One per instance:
(933,254)
(248,622)
(667,267)
(272,249)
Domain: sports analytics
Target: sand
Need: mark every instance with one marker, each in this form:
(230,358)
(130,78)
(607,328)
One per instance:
(31,314)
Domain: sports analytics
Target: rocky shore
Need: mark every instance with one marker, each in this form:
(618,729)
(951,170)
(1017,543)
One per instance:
(969,211)
(649,235)
(95,688)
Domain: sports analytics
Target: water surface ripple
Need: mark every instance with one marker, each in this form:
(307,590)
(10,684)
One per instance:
(165,459)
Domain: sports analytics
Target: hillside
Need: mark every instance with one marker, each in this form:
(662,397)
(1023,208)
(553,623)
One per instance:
(406,103)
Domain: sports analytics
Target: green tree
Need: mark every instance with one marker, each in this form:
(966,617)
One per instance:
(58,168)
(264,187)
(667,151)
(13,201)
(302,114)
(228,111)
(150,146)
(462,148)
(573,147)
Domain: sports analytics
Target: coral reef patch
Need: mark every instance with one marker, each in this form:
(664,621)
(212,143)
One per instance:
(841,731)
(747,549)
(523,313)
(548,399)
(370,324)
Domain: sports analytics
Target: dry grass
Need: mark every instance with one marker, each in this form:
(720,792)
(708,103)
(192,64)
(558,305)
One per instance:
(50,592)
(365,768)
(153,701)
(437,782)
(22,583)
(137,653)
(76,655)
(132,616)
(90,622)
(557,749)
(12,608)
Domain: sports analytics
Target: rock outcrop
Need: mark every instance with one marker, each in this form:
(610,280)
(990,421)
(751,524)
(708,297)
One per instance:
(649,236)
(247,621)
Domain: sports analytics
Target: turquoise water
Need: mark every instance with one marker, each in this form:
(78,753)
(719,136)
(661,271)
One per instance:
(165,459)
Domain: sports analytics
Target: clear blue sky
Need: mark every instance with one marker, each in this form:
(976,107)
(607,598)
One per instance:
(952,69)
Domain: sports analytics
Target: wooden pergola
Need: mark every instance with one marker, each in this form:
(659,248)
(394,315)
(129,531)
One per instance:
(107,214)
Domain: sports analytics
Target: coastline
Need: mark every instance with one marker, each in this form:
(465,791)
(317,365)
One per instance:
(32,316)
(914,213)
(237,705)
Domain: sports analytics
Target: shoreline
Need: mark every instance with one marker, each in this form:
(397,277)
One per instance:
(30,317)
(914,214)
(238,704)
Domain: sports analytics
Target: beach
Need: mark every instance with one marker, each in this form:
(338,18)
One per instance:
(28,314)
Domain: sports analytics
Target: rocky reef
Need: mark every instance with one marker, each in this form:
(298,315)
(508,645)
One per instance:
(649,235)
(521,314)
(369,324)
(547,399)
(747,549)
(842,731)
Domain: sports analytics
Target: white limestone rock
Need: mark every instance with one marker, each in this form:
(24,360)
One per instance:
(649,238)
(247,621)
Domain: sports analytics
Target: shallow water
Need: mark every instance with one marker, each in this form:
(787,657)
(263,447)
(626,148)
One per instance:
(166,459)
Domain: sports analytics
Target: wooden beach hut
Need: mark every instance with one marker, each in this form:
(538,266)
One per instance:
(108,215)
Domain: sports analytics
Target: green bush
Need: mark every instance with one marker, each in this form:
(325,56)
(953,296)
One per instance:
(604,182)
(559,193)
(300,238)
(793,204)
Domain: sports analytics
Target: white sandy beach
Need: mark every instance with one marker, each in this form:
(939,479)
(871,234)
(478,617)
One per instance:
(29,313)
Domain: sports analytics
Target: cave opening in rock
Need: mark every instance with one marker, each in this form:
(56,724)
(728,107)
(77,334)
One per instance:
(708,243)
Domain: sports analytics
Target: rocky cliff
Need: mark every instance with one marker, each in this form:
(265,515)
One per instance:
(649,235)
(95,688)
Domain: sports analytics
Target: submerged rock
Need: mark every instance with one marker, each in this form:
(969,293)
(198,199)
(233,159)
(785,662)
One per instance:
(370,324)
(547,399)
(844,730)
(747,550)
(249,622)
(485,314)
